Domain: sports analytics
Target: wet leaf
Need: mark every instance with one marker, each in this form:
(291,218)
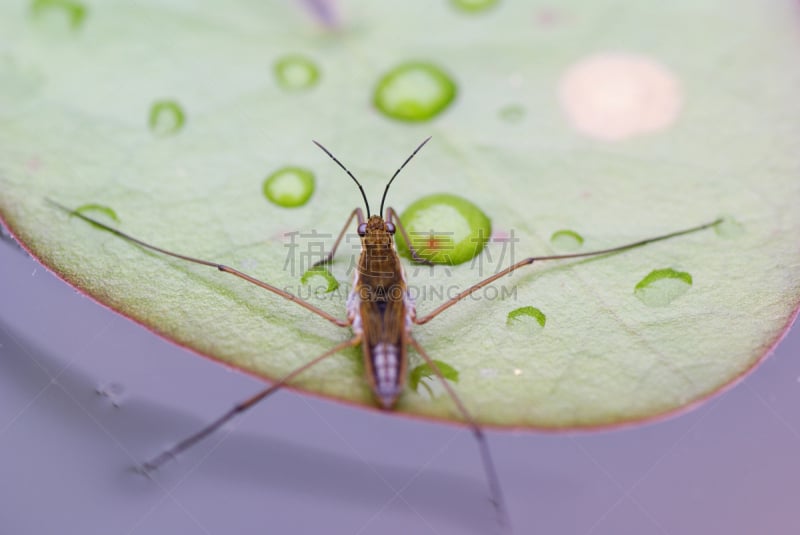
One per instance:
(616,132)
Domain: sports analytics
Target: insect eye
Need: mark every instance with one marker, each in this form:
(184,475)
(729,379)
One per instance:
(390,228)
(362,229)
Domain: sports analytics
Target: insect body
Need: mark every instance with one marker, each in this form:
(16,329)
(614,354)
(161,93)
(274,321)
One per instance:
(380,312)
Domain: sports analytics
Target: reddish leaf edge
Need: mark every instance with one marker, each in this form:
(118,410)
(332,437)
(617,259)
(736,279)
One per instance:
(549,430)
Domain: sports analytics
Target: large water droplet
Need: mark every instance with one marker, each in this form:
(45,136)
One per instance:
(295,72)
(289,186)
(414,91)
(445,229)
(662,286)
(166,117)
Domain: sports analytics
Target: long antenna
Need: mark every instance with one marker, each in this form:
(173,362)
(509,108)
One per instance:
(383,199)
(360,187)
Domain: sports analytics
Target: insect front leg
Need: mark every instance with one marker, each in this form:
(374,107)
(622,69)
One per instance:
(391,215)
(220,267)
(359,215)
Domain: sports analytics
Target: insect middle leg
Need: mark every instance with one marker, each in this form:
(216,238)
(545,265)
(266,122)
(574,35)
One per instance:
(495,489)
(530,260)
(391,215)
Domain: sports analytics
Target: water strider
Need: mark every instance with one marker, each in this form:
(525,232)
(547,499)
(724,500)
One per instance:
(381,313)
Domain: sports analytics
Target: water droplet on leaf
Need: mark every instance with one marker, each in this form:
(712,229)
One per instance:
(289,186)
(566,240)
(662,286)
(445,229)
(417,376)
(527,317)
(166,117)
(295,72)
(729,228)
(321,271)
(414,91)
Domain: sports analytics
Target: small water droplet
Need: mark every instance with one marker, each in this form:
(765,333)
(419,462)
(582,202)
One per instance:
(662,286)
(473,6)
(513,113)
(166,117)
(289,186)
(320,271)
(423,375)
(295,72)
(566,240)
(526,317)
(61,12)
(445,229)
(414,91)
(729,228)
(98,208)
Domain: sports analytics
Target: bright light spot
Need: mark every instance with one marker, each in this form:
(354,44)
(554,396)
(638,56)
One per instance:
(517,372)
(617,96)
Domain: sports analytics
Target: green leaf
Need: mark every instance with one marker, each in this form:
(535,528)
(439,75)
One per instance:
(575,117)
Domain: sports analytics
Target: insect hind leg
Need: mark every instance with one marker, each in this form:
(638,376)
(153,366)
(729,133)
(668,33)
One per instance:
(154,463)
(495,490)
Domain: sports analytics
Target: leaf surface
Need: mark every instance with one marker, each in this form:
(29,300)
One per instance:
(681,121)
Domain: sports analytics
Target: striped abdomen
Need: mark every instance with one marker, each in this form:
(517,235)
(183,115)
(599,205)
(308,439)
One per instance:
(382,316)
(388,372)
